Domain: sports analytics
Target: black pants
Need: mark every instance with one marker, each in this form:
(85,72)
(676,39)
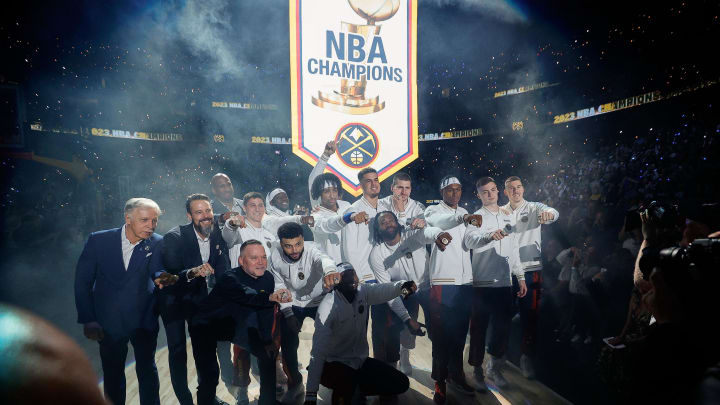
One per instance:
(113,353)
(529,311)
(266,364)
(374,377)
(491,306)
(290,341)
(386,329)
(449,309)
(204,347)
(174,323)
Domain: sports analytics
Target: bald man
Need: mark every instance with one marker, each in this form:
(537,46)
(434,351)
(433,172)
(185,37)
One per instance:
(66,375)
(224,196)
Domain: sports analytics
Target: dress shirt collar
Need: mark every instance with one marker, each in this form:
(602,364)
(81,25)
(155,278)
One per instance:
(125,240)
(200,238)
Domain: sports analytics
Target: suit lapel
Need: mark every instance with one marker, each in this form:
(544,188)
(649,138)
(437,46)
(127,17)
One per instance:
(139,256)
(117,254)
(192,249)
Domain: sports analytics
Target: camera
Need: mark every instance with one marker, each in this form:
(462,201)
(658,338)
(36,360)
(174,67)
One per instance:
(685,264)
(665,215)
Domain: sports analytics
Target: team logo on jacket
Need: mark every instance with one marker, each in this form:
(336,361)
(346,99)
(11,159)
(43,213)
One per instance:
(301,275)
(357,145)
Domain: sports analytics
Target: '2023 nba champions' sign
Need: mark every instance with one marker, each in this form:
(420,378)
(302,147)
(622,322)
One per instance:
(353,78)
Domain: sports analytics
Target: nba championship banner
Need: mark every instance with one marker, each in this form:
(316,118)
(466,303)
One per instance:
(353,80)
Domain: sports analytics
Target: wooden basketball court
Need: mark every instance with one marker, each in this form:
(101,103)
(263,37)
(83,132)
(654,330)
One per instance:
(521,390)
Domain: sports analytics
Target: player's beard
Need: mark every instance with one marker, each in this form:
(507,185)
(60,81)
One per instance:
(294,260)
(204,229)
(389,234)
(347,289)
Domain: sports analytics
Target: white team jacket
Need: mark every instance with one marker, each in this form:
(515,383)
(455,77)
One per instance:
(327,230)
(451,267)
(413,209)
(357,241)
(404,261)
(341,328)
(235,236)
(494,260)
(273,222)
(303,278)
(528,229)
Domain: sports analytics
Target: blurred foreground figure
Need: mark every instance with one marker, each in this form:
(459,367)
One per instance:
(42,365)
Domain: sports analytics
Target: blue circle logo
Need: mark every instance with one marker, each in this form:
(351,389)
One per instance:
(357,145)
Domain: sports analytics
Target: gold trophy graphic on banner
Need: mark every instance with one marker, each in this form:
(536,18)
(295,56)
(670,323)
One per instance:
(350,99)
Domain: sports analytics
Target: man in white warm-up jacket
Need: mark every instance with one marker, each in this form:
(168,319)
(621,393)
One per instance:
(301,270)
(339,357)
(400,254)
(256,224)
(400,203)
(450,290)
(356,239)
(529,216)
(495,260)
(328,209)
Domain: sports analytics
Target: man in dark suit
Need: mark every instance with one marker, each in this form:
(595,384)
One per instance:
(115,300)
(241,309)
(197,253)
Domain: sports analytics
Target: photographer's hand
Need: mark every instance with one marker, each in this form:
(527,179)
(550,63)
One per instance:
(649,229)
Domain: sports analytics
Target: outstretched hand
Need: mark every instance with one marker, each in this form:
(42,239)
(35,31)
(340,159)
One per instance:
(473,219)
(408,288)
(330,280)
(443,240)
(281,296)
(165,279)
(415,327)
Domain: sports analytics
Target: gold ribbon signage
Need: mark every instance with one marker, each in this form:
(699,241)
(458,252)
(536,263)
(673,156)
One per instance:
(353,80)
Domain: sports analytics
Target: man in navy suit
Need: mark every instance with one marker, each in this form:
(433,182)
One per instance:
(114,296)
(198,255)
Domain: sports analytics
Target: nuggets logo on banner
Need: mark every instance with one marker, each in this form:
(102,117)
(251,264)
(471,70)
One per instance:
(353,80)
(357,145)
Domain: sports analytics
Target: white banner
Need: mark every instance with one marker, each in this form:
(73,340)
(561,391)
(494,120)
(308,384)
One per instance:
(353,80)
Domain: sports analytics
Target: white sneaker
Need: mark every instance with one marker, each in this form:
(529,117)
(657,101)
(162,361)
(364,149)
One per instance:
(242,396)
(527,368)
(588,340)
(493,372)
(576,338)
(405,365)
